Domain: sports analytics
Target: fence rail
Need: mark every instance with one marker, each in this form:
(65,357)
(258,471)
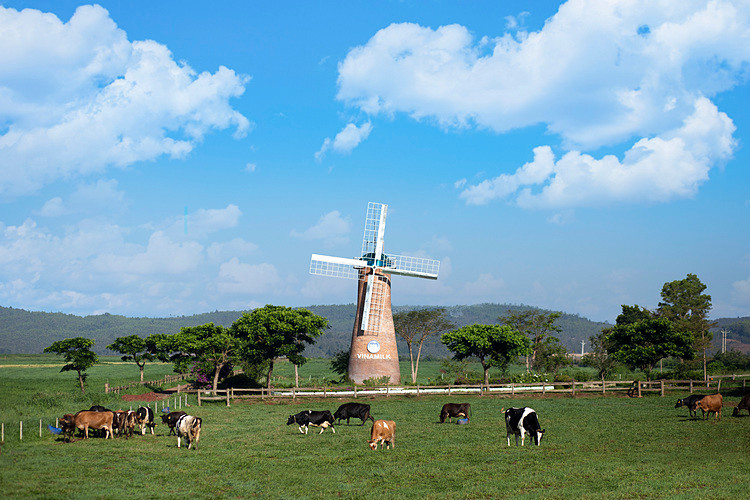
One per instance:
(168,379)
(634,388)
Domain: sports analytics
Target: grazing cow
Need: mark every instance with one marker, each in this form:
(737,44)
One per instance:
(744,405)
(691,402)
(711,403)
(457,410)
(68,426)
(189,427)
(86,420)
(353,410)
(315,418)
(170,419)
(129,422)
(146,419)
(522,421)
(383,432)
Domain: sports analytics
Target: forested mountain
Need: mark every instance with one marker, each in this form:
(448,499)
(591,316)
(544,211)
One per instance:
(30,332)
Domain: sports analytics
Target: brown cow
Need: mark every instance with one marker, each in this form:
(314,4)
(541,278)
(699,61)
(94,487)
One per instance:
(744,405)
(66,424)
(86,420)
(457,410)
(383,432)
(710,404)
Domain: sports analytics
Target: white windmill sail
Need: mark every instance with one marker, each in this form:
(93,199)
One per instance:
(373,257)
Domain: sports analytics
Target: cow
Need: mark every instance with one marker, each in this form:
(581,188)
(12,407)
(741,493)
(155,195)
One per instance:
(129,421)
(315,418)
(353,410)
(85,420)
(68,426)
(383,432)
(170,420)
(690,401)
(98,408)
(189,427)
(146,419)
(711,403)
(456,410)
(522,421)
(744,405)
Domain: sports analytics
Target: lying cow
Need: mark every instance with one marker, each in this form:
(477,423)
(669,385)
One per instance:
(457,410)
(383,432)
(522,421)
(85,420)
(353,410)
(711,403)
(744,405)
(315,418)
(170,420)
(189,427)
(146,419)
(691,402)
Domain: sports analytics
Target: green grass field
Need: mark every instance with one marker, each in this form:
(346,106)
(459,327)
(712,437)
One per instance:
(594,447)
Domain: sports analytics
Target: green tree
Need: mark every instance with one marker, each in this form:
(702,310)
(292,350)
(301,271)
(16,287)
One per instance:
(599,357)
(415,327)
(272,331)
(340,364)
(209,343)
(493,345)
(77,354)
(551,356)
(685,305)
(538,326)
(643,343)
(133,348)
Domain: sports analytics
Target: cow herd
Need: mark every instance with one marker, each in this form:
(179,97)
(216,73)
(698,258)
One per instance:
(710,403)
(518,422)
(125,422)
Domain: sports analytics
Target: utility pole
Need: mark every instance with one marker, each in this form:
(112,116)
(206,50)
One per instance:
(583,342)
(723,340)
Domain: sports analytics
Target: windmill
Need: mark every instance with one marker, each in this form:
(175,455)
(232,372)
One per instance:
(373,352)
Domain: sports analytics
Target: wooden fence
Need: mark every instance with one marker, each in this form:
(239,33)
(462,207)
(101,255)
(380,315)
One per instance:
(633,388)
(168,379)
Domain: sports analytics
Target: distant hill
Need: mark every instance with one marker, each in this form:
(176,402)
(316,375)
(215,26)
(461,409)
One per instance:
(25,332)
(738,334)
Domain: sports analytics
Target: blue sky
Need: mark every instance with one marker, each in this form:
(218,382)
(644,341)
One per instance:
(167,158)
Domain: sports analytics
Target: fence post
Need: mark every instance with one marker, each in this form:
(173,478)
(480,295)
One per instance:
(449,389)
(544,388)
(199,397)
(325,388)
(691,386)
(40,427)
(639,389)
(355,392)
(20,430)
(718,386)
(294,394)
(417,389)
(388,391)
(106,387)
(228,398)
(662,387)
(573,387)
(512,389)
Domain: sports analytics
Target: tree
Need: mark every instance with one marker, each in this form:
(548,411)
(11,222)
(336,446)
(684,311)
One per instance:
(77,354)
(272,331)
(685,304)
(551,356)
(537,325)
(209,343)
(493,345)
(416,327)
(340,363)
(598,357)
(643,343)
(133,348)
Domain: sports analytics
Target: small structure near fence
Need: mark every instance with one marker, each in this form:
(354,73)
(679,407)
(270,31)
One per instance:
(633,388)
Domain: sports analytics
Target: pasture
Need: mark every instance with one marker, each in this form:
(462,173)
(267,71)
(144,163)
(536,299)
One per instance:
(594,447)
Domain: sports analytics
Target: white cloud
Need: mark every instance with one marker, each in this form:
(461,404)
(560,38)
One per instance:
(346,140)
(741,293)
(161,256)
(331,229)
(53,207)
(597,73)
(237,277)
(250,167)
(78,97)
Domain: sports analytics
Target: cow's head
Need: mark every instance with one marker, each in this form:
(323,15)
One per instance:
(679,403)
(538,435)
(291,420)
(373,444)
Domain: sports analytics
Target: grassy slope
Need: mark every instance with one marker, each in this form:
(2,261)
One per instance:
(595,447)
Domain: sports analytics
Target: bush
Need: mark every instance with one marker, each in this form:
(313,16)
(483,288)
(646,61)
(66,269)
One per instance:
(377,381)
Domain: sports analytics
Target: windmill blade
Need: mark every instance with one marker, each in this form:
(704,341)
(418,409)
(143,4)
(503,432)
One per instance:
(411,266)
(372,242)
(337,267)
(368,302)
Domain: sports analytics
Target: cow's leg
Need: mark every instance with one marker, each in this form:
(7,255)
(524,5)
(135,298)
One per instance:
(178,440)
(300,430)
(86,431)
(523,436)
(508,436)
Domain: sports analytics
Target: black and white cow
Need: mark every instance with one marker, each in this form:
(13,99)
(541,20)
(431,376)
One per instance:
(170,419)
(146,419)
(189,427)
(522,421)
(353,410)
(307,418)
(691,402)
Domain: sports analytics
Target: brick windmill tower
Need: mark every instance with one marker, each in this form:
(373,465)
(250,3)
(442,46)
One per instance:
(373,352)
